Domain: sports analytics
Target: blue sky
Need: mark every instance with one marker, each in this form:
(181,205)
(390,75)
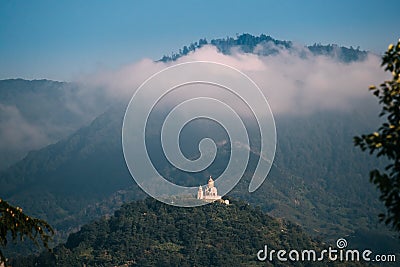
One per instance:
(62,39)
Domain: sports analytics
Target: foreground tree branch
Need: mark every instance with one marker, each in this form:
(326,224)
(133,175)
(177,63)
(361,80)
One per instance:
(386,140)
(18,224)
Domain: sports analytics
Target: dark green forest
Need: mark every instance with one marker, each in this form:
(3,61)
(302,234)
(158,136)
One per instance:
(149,233)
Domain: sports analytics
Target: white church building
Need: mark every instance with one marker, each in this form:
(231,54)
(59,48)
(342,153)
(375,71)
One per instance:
(210,193)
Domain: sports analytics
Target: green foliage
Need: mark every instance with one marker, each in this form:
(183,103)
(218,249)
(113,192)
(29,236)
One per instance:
(149,233)
(13,221)
(386,141)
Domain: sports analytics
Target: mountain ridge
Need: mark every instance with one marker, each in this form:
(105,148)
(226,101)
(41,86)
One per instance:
(247,43)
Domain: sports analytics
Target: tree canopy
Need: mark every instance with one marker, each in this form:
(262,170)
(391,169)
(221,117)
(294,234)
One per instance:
(385,141)
(150,233)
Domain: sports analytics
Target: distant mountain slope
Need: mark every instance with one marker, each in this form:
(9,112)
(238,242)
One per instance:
(67,176)
(318,180)
(34,114)
(73,181)
(148,233)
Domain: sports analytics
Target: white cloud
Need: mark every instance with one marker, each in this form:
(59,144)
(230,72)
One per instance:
(17,135)
(294,81)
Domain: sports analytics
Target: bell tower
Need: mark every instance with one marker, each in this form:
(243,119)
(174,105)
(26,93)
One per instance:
(200,193)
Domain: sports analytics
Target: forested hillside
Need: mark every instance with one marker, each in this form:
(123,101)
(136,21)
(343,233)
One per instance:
(149,233)
(266,45)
